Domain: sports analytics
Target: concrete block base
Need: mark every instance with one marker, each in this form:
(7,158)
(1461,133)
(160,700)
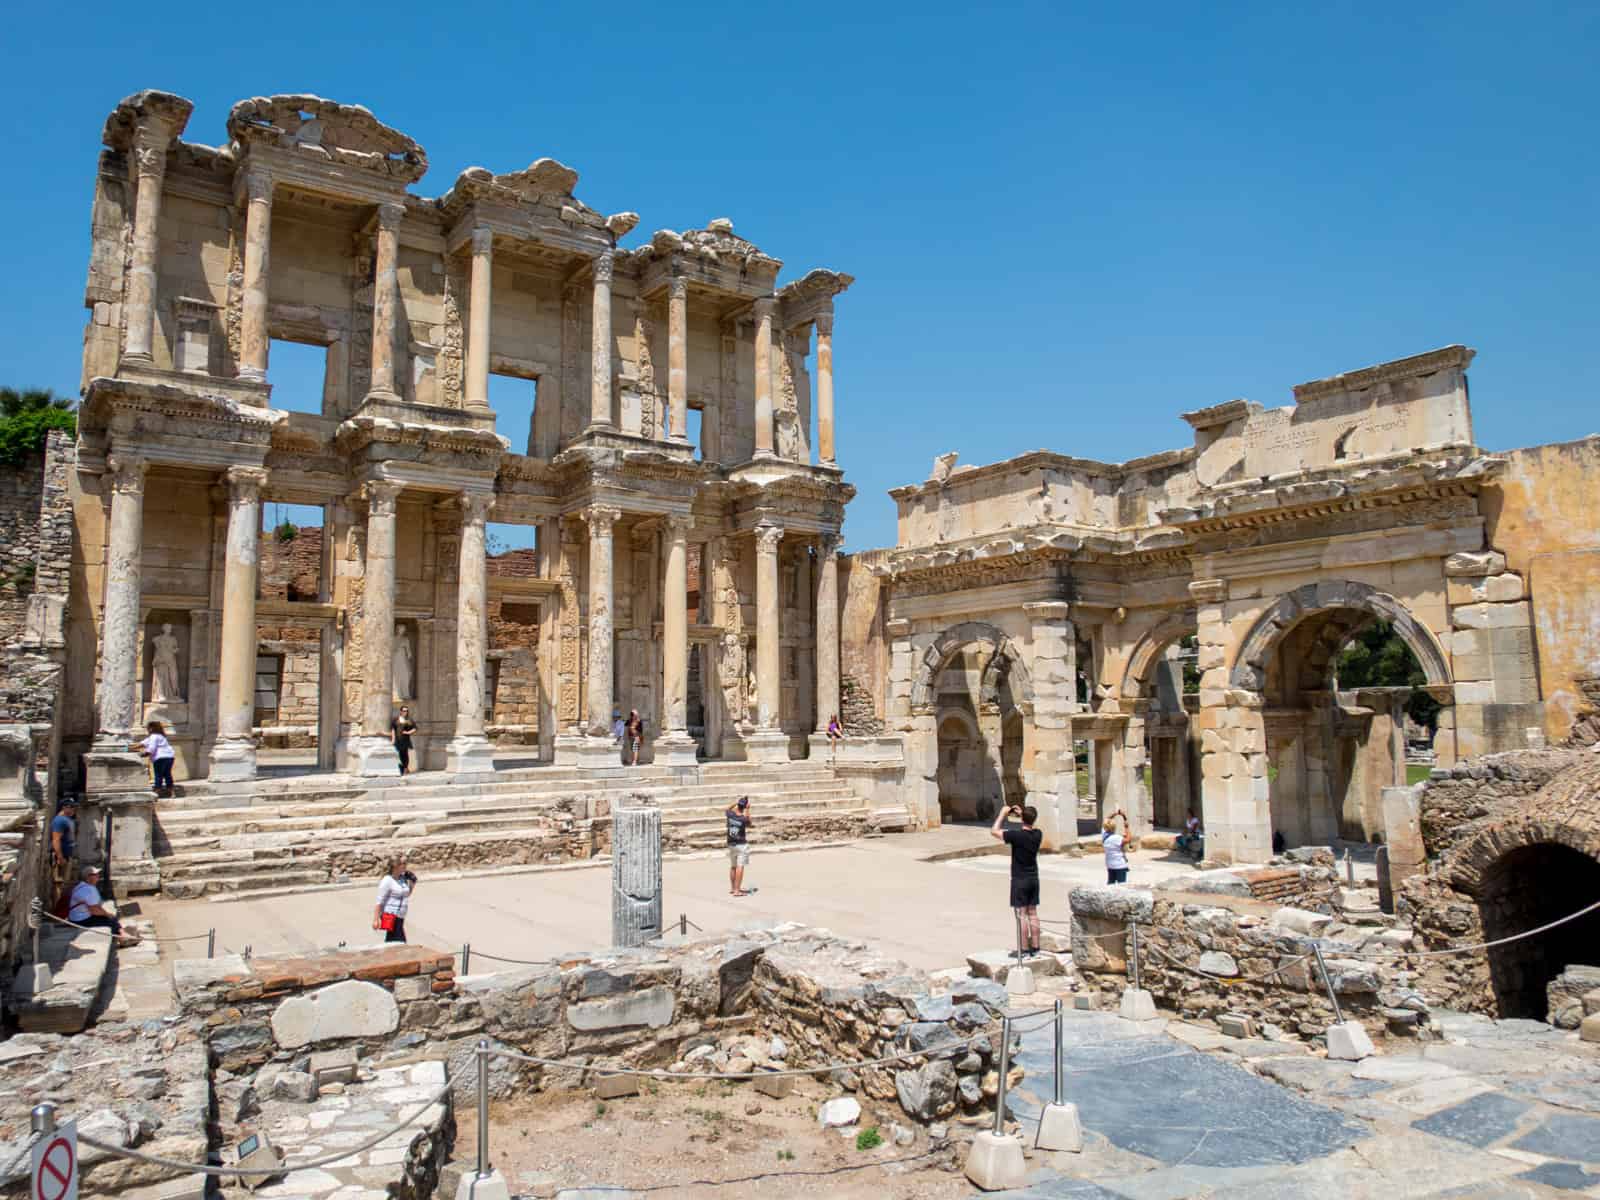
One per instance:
(1138,1005)
(1060,1129)
(469,755)
(1350,1042)
(373,756)
(994,1164)
(485,1187)
(767,746)
(1019,981)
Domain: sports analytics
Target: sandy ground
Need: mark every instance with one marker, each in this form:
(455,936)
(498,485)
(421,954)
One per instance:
(703,1139)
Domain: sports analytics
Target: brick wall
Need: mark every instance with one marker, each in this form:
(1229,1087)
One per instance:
(291,570)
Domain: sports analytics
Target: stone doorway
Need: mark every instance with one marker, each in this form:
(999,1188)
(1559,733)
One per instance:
(1523,889)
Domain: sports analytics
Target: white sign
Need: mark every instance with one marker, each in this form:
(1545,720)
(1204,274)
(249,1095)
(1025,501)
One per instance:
(55,1164)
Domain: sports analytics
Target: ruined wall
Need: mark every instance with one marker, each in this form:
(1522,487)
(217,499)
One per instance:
(863,648)
(1540,515)
(21,489)
(292,569)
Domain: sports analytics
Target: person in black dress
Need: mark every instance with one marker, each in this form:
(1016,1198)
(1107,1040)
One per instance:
(401,729)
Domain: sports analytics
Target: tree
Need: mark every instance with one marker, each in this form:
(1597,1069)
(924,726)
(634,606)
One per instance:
(26,417)
(1379,657)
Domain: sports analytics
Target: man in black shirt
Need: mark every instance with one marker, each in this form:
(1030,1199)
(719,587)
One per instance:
(738,815)
(1024,845)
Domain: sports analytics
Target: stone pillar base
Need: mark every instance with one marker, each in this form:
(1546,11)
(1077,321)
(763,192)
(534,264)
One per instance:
(821,748)
(676,750)
(995,1162)
(114,770)
(371,756)
(734,748)
(598,754)
(130,858)
(468,754)
(565,749)
(232,759)
(767,746)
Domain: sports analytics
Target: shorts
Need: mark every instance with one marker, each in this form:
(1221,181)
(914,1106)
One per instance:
(1025,892)
(739,855)
(1116,874)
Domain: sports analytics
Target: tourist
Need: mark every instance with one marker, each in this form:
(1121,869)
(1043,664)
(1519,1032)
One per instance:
(87,908)
(394,900)
(63,842)
(738,814)
(1116,845)
(1189,840)
(633,734)
(1024,843)
(401,729)
(835,736)
(616,726)
(159,751)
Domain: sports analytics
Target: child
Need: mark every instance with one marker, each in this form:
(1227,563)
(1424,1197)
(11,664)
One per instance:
(159,751)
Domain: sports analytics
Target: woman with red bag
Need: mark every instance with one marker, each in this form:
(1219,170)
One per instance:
(394,900)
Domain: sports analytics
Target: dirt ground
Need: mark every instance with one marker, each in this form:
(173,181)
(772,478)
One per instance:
(705,1139)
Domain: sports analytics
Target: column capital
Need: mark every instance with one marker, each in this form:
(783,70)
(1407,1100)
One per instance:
(1209,591)
(150,144)
(381,495)
(127,473)
(390,214)
(828,544)
(603,265)
(482,240)
(245,484)
(257,186)
(768,535)
(678,525)
(475,507)
(762,307)
(824,323)
(677,288)
(1048,610)
(601,517)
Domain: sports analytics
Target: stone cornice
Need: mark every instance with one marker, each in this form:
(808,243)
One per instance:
(1445,358)
(162,114)
(191,409)
(345,135)
(1040,460)
(360,432)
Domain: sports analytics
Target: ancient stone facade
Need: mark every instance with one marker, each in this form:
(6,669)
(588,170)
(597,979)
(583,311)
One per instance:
(300,228)
(1047,602)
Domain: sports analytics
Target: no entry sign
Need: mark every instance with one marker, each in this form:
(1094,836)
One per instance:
(55,1164)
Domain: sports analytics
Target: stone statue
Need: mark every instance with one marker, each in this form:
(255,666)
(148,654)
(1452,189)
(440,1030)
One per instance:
(402,664)
(165,684)
(753,696)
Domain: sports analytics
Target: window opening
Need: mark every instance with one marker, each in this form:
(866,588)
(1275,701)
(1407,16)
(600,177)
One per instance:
(298,373)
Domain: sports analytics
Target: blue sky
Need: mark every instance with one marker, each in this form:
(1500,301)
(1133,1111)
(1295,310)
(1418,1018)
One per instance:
(1067,224)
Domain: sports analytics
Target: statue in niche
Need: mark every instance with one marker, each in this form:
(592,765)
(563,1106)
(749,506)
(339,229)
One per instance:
(165,683)
(402,664)
(752,693)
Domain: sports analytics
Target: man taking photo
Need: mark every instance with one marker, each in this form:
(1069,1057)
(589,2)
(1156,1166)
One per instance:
(1024,843)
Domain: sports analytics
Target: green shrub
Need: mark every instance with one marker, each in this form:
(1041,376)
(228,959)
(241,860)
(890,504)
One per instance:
(26,417)
(869,1138)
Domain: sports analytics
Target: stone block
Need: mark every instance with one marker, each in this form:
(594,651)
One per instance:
(1486,562)
(928,1092)
(1301,921)
(414,987)
(1349,1041)
(1589,1028)
(294,1085)
(1236,1025)
(1215,962)
(649,1008)
(613,1087)
(1591,1002)
(995,1162)
(1504,589)
(776,1086)
(1490,616)
(1138,1005)
(351,1009)
(1060,1129)
(334,1066)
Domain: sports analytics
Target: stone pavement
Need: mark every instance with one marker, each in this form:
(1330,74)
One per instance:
(1497,1109)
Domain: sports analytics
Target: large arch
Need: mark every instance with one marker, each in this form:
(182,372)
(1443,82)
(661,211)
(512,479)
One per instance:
(1003,666)
(1348,605)
(1142,662)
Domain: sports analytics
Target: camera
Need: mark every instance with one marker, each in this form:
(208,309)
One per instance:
(409,877)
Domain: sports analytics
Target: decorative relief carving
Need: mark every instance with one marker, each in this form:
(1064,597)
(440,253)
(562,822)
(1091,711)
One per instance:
(452,339)
(381,495)
(127,473)
(604,264)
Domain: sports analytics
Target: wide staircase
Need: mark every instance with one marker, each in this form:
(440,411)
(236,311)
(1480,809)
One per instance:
(321,829)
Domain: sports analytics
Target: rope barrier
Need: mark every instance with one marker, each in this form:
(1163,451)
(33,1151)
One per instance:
(519,962)
(193,937)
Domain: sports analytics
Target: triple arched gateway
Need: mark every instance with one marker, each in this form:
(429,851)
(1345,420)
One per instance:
(1180,618)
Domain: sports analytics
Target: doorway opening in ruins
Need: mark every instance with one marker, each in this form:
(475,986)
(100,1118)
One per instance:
(980,743)
(1523,889)
(296,680)
(514,398)
(1162,685)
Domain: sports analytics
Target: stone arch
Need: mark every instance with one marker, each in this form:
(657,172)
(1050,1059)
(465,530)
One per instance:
(1002,666)
(1249,671)
(1565,812)
(1150,647)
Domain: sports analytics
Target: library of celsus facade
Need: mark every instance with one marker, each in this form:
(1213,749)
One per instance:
(1046,602)
(302,227)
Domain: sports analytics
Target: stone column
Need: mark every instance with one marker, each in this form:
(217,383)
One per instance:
(233,755)
(374,751)
(768,743)
(635,873)
(253,341)
(600,368)
(825,387)
(478,320)
(827,630)
(469,750)
(601,518)
(1234,792)
(150,163)
(119,618)
(1049,768)
(386,301)
(675,747)
(678,356)
(763,314)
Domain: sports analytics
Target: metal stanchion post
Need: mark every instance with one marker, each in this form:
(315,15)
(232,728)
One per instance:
(1005,1069)
(1338,1016)
(466,958)
(683,924)
(483,1107)
(1133,952)
(1059,1099)
(211,943)
(44,1119)
(1349,868)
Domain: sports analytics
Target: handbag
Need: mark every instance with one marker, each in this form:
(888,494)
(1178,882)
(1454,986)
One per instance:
(386,922)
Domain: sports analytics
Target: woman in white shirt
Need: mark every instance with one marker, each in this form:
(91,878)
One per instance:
(394,900)
(159,751)
(1116,845)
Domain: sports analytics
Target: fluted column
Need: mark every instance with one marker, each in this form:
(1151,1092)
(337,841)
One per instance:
(375,754)
(469,750)
(119,618)
(233,756)
(678,356)
(600,368)
(478,320)
(253,342)
(675,626)
(767,635)
(150,163)
(825,387)
(827,630)
(385,300)
(601,519)
(763,314)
